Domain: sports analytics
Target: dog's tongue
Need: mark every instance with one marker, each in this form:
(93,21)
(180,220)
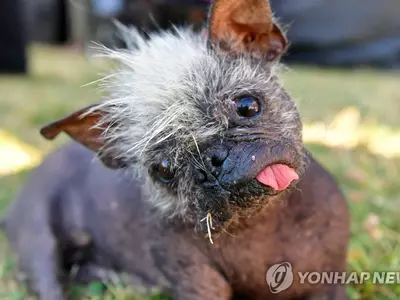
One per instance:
(277,176)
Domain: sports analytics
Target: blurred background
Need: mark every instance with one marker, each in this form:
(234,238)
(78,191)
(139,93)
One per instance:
(344,61)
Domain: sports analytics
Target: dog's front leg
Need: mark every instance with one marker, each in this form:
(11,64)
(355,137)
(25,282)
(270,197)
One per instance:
(201,282)
(189,274)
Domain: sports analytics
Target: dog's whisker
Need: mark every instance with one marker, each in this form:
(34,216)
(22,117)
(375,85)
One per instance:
(198,151)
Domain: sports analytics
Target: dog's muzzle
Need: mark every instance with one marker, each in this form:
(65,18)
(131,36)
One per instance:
(236,170)
(235,163)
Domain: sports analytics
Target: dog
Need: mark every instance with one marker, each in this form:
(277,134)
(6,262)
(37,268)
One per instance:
(190,175)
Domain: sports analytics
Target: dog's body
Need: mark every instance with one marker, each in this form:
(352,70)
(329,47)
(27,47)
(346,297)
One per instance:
(308,227)
(216,145)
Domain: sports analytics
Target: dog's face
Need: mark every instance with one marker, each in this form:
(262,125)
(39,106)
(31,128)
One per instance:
(202,117)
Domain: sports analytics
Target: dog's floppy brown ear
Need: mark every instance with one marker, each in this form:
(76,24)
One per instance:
(246,26)
(84,127)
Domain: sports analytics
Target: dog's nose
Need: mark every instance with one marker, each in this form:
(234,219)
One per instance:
(217,155)
(214,158)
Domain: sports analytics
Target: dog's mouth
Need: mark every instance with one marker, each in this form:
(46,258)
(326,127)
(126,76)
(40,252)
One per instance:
(249,176)
(243,199)
(277,176)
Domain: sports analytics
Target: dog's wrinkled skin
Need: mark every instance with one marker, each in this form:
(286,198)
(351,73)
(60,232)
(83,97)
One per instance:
(173,119)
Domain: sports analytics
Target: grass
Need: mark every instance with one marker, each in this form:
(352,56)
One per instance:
(351,125)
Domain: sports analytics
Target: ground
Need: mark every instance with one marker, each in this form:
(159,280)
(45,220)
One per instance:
(351,122)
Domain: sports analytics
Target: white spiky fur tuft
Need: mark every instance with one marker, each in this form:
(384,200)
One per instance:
(148,95)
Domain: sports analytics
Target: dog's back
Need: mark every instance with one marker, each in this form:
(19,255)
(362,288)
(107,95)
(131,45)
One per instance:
(69,213)
(61,168)
(29,220)
(60,196)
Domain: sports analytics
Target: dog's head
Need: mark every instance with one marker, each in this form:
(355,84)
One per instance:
(203,117)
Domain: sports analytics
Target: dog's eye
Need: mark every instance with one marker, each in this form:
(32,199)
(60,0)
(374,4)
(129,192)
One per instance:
(164,172)
(247,107)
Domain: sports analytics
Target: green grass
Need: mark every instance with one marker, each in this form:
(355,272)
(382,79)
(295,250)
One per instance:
(352,127)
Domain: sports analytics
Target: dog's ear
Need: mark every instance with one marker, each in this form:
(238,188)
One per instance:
(84,127)
(246,26)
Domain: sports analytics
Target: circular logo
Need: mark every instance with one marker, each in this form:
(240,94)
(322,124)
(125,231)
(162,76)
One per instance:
(279,277)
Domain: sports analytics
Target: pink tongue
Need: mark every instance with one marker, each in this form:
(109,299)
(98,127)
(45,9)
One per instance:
(277,176)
